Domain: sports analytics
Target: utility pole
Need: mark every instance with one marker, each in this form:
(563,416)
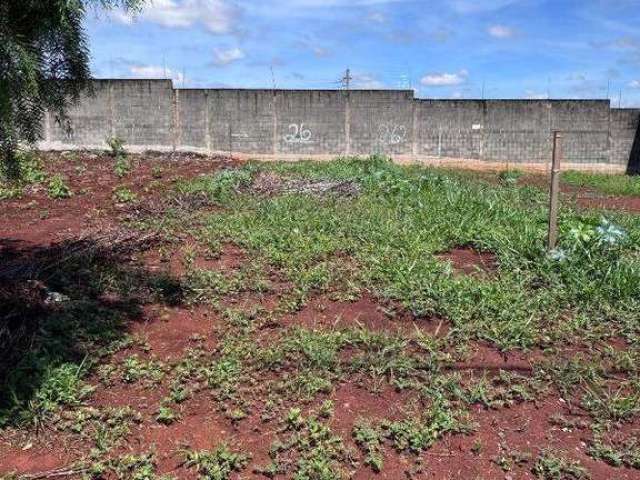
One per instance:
(554,191)
(273,78)
(346,80)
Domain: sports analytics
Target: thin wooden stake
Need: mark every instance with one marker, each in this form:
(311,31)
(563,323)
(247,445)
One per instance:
(554,191)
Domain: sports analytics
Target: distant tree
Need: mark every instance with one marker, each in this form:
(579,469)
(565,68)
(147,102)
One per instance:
(44,65)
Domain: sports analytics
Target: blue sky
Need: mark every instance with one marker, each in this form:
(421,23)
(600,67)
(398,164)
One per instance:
(439,48)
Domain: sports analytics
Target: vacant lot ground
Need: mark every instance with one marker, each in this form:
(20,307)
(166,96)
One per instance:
(192,318)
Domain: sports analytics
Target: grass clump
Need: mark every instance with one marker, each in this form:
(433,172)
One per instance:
(618,454)
(510,177)
(134,370)
(122,166)
(166,415)
(308,450)
(125,467)
(27,169)
(370,440)
(220,186)
(123,194)
(417,434)
(412,434)
(61,385)
(217,464)
(548,466)
(57,188)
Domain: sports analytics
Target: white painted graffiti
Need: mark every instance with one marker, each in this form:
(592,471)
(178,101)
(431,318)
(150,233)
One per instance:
(391,134)
(298,134)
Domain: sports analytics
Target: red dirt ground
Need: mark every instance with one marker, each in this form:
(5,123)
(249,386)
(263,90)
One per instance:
(366,312)
(586,197)
(628,204)
(469,261)
(37,221)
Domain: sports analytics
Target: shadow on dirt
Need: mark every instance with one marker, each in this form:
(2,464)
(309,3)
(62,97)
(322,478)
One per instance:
(68,303)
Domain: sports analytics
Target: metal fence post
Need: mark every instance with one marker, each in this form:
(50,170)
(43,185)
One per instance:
(554,191)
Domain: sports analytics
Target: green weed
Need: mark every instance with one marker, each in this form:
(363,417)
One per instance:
(123,194)
(510,177)
(166,415)
(621,453)
(548,466)
(417,434)
(218,464)
(135,370)
(309,451)
(57,188)
(369,439)
(61,385)
(220,186)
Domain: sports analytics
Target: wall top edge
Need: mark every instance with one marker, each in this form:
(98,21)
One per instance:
(333,90)
(519,100)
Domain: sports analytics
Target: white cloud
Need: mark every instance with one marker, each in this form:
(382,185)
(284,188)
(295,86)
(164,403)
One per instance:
(476,6)
(367,82)
(500,31)
(225,56)
(445,79)
(217,16)
(634,84)
(320,52)
(376,17)
(156,71)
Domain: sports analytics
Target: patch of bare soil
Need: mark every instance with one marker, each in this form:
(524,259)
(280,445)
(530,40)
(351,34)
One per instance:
(169,331)
(353,403)
(269,183)
(586,197)
(366,312)
(468,261)
(627,204)
(484,359)
(37,219)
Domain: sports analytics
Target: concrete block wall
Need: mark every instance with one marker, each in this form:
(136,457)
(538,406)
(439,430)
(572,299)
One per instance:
(151,114)
(91,121)
(311,121)
(585,130)
(450,128)
(240,121)
(139,111)
(381,122)
(625,136)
